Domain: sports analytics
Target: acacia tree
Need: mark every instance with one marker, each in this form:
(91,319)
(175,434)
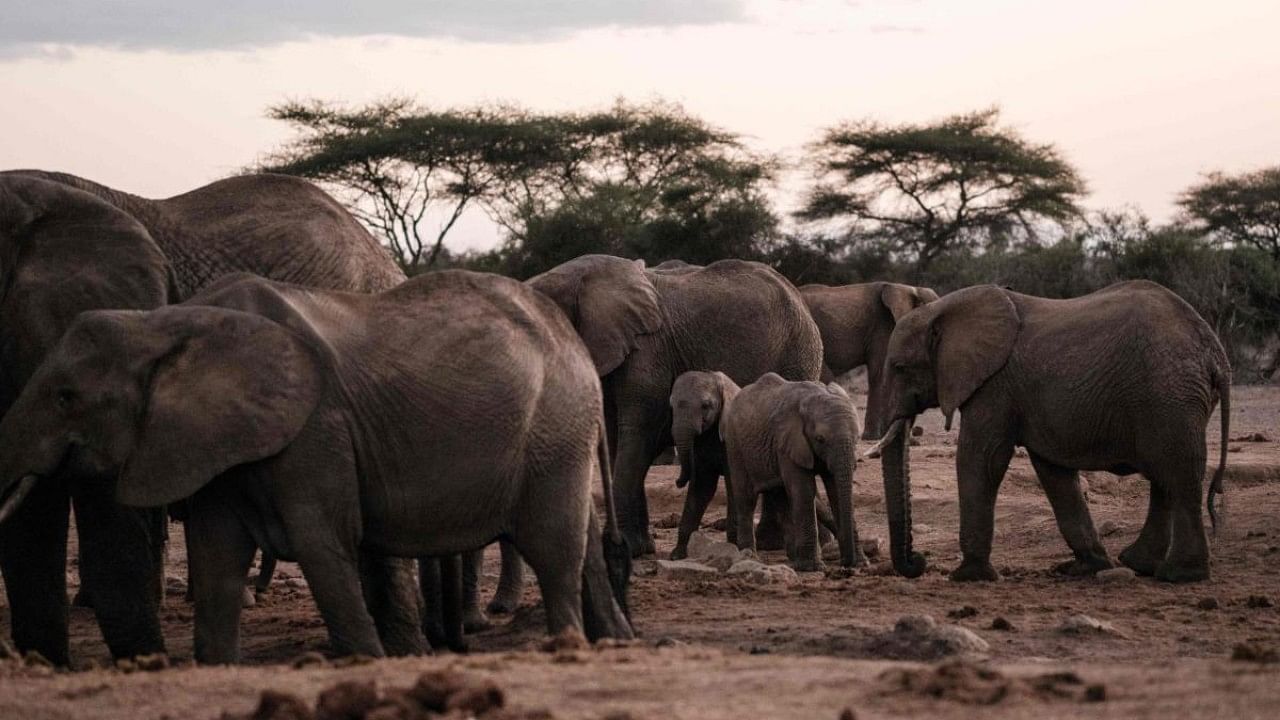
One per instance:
(392,163)
(1242,209)
(925,189)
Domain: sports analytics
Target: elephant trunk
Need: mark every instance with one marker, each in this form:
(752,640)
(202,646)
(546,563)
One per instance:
(29,450)
(685,437)
(896,462)
(841,470)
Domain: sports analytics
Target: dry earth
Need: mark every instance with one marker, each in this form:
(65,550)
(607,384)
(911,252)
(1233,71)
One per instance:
(723,648)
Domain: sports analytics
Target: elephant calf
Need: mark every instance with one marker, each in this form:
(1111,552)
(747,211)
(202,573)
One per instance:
(780,434)
(427,420)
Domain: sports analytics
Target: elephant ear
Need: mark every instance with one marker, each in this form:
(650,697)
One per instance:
(972,334)
(792,440)
(62,252)
(728,391)
(231,389)
(902,299)
(610,301)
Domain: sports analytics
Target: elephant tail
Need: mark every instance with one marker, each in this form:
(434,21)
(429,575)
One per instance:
(1222,381)
(617,554)
(611,529)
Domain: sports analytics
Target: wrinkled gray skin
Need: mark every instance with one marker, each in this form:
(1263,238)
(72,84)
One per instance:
(1122,380)
(855,322)
(780,434)
(698,400)
(69,245)
(644,328)
(370,430)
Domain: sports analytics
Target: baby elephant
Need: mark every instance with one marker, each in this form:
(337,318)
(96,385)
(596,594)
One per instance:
(781,434)
(698,400)
(427,420)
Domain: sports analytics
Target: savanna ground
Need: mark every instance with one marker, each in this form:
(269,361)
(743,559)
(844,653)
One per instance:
(723,648)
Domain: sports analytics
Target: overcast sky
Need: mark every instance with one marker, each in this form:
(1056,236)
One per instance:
(159,96)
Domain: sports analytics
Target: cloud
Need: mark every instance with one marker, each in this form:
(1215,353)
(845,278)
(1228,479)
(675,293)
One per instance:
(31,28)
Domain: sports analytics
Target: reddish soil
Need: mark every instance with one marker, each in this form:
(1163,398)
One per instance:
(725,649)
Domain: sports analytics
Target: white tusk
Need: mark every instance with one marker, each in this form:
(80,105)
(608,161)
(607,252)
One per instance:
(894,430)
(16,497)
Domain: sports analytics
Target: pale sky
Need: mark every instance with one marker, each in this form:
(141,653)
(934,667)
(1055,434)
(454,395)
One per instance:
(160,96)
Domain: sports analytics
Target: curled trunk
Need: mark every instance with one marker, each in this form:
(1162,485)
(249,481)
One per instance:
(896,462)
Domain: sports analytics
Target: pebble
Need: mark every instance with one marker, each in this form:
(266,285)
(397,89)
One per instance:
(1085,625)
(1208,603)
(1109,527)
(1257,602)
(1002,624)
(1116,575)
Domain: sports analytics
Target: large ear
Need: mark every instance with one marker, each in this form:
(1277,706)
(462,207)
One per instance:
(789,421)
(902,299)
(609,300)
(728,391)
(62,252)
(972,334)
(232,388)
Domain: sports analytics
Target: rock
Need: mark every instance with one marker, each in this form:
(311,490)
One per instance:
(1002,625)
(757,573)
(917,431)
(685,570)
(717,554)
(295,583)
(965,611)
(154,662)
(247,598)
(1116,575)
(1085,625)
(433,689)
(1109,527)
(872,547)
(346,700)
(719,525)
(915,442)
(1257,602)
(477,699)
(920,637)
(1252,437)
(1208,603)
(276,705)
(668,521)
(567,640)
(1095,693)
(669,642)
(1254,652)
(308,659)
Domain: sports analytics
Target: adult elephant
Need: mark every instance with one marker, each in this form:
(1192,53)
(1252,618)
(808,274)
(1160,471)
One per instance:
(644,328)
(1121,380)
(69,245)
(855,322)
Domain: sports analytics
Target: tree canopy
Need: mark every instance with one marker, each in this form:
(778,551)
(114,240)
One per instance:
(1242,209)
(925,189)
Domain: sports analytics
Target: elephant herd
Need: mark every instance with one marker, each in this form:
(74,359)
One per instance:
(247,356)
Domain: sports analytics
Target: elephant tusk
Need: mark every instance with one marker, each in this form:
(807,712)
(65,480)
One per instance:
(16,496)
(894,430)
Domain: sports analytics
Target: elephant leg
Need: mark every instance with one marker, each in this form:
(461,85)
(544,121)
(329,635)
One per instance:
(701,490)
(33,558)
(636,451)
(556,555)
(219,552)
(730,520)
(333,574)
(1149,550)
(771,532)
(801,494)
(391,596)
(121,566)
(473,618)
(451,602)
(1071,510)
(432,586)
(510,581)
(1188,558)
(981,460)
(828,527)
(266,569)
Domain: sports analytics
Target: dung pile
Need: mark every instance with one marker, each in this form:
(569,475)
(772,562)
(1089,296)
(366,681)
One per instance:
(436,694)
(972,684)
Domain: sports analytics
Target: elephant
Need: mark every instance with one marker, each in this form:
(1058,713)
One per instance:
(70,245)
(698,402)
(855,322)
(780,434)
(644,328)
(426,420)
(1122,380)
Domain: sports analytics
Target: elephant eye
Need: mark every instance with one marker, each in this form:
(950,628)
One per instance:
(821,438)
(706,404)
(64,397)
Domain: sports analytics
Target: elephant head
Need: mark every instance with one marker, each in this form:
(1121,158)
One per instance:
(939,356)
(64,251)
(166,399)
(820,433)
(609,300)
(896,300)
(698,403)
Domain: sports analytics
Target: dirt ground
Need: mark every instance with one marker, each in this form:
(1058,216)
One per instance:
(723,648)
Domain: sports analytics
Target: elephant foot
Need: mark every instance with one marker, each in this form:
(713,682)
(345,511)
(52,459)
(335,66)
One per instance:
(1137,559)
(975,572)
(831,551)
(1181,572)
(640,544)
(502,606)
(1077,567)
(806,565)
(474,621)
(680,552)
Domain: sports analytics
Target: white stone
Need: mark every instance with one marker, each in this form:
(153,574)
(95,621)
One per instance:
(685,570)
(1116,575)
(758,573)
(1085,625)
